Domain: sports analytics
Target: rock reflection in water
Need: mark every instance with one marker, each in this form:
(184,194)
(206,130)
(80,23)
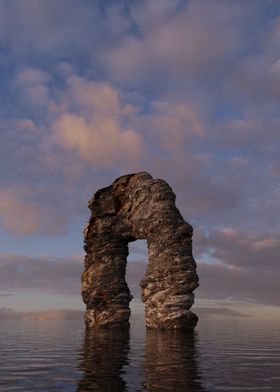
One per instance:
(171,362)
(102,359)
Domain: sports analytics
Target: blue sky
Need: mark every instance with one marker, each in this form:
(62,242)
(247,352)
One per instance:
(187,90)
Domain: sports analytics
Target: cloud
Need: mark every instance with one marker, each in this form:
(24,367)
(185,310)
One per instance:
(214,312)
(33,85)
(230,267)
(246,133)
(60,314)
(240,284)
(8,314)
(257,74)
(245,266)
(85,127)
(179,118)
(19,216)
(26,125)
(240,248)
(266,243)
(232,264)
(49,275)
(135,271)
(54,275)
(91,127)
(23,215)
(27,77)
(45,25)
(96,126)
(181,42)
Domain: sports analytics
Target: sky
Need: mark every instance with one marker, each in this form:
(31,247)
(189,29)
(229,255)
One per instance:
(186,90)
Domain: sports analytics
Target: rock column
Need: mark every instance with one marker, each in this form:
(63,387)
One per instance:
(136,206)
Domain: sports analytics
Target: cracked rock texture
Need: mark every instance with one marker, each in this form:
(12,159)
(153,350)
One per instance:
(136,206)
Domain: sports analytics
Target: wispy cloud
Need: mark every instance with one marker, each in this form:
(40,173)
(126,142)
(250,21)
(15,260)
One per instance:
(176,43)
(62,314)
(46,274)
(214,312)
(246,266)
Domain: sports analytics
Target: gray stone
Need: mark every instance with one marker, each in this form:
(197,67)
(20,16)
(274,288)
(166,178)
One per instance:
(136,206)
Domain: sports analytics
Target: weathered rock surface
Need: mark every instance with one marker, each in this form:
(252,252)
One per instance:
(136,206)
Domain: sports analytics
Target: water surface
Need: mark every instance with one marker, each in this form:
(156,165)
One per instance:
(62,356)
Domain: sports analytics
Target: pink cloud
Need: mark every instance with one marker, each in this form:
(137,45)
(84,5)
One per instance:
(22,214)
(19,216)
(174,124)
(180,116)
(93,124)
(265,243)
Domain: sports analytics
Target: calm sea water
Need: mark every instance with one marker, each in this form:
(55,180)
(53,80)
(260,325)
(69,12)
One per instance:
(61,356)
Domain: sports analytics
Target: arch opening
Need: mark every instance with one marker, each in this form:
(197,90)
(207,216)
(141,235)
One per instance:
(136,206)
(137,263)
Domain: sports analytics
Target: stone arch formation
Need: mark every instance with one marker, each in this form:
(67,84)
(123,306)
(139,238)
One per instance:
(136,206)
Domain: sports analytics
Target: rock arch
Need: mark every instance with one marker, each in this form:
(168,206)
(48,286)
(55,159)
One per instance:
(136,206)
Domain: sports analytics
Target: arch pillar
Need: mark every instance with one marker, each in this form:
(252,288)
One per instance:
(136,206)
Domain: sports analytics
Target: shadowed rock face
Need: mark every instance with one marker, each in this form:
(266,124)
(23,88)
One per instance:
(136,206)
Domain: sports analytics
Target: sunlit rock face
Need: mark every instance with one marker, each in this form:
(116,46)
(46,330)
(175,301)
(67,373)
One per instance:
(136,206)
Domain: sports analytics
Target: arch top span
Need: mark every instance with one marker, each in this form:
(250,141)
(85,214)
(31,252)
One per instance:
(137,206)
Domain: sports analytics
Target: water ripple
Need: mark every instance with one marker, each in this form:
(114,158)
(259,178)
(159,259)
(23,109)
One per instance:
(63,356)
